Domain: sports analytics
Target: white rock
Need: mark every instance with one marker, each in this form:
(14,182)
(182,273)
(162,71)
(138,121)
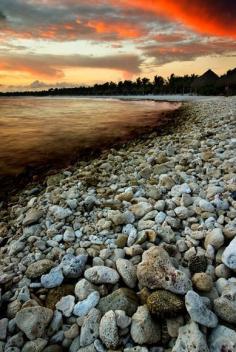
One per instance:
(127,271)
(229,255)
(108,330)
(122,320)
(178,190)
(83,308)
(90,328)
(205,205)
(59,212)
(101,275)
(69,235)
(53,279)
(131,232)
(83,288)
(215,238)
(66,305)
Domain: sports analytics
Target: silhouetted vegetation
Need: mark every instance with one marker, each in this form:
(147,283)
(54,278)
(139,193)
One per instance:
(207,84)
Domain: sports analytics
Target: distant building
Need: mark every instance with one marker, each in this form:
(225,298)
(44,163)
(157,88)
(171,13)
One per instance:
(206,84)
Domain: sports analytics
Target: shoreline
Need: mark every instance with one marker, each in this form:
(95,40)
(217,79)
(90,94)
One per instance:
(131,251)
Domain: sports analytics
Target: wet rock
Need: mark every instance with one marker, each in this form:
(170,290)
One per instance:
(82,308)
(108,330)
(156,271)
(143,329)
(229,255)
(190,339)
(127,271)
(39,268)
(73,266)
(33,321)
(165,304)
(198,310)
(90,328)
(225,306)
(222,339)
(121,299)
(101,275)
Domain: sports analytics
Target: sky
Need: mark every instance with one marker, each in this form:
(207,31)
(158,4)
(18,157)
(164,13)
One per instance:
(57,43)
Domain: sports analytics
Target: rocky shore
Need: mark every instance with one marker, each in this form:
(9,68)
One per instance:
(134,251)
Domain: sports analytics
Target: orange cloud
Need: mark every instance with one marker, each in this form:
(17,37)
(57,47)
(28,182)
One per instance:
(216,17)
(121,29)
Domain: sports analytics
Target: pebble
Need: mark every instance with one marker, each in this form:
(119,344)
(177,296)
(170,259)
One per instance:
(202,282)
(165,304)
(143,329)
(190,338)
(90,328)
(66,305)
(32,216)
(3,328)
(34,346)
(101,275)
(108,330)
(53,279)
(222,339)
(127,271)
(198,310)
(60,213)
(229,255)
(225,305)
(83,288)
(73,266)
(82,308)
(39,268)
(215,238)
(122,320)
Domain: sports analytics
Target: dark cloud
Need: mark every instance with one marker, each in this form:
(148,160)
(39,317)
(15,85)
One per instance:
(51,66)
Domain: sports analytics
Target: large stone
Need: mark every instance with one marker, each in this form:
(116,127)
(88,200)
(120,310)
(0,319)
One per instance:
(127,271)
(33,321)
(66,305)
(101,275)
(90,328)
(198,310)
(225,306)
(39,268)
(165,304)
(53,279)
(190,339)
(143,329)
(229,255)
(121,299)
(83,288)
(222,339)
(34,346)
(108,330)
(157,272)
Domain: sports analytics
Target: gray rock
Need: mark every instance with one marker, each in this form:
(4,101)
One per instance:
(24,294)
(190,339)
(156,271)
(119,218)
(137,349)
(182,212)
(108,330)
(53,279)
(34,346)
(90,328)
(127,271)
(121,299)
(75,345)
(3,328)
(16,247)
(39,268)
(131,232)
(178,190)
(55,323)
(59,212)
(101,275)
(72,266)
(199,311)
(205,205)
(83,308)
(66,305)
(69,235)
(33,321)
(215,238)
(83,288)
(32,216)
(222,339)
(225,306)
(140,209)
(122,320)
(229,255)
(143,329)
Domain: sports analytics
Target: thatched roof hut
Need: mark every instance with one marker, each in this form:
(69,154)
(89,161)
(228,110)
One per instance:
(208,79)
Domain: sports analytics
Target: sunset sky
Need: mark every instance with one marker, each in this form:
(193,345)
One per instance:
(46,43)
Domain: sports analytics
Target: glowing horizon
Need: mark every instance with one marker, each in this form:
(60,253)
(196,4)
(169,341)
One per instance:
(70,42)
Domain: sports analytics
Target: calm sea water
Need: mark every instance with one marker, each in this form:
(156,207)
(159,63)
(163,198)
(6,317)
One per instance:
(38,131)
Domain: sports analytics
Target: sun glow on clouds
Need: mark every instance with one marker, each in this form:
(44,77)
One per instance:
(101,40)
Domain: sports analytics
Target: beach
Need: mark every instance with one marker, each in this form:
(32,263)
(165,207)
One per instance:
(133,250)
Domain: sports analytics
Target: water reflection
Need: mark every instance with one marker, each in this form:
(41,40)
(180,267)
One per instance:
(38,131)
